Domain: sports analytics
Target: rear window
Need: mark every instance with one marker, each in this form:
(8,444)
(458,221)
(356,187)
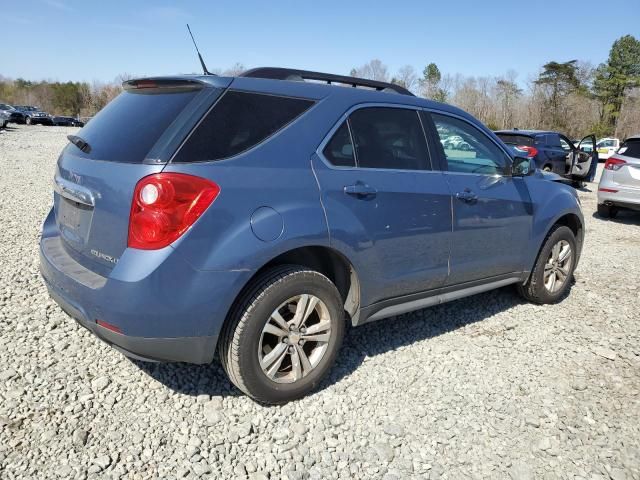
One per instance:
(511,139)
(630,148)
(128,127)
(238,122)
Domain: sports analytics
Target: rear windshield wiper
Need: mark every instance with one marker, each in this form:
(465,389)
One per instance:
(80,143)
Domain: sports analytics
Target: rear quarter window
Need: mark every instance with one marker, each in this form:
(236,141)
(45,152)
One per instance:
(630,148)
(238,122)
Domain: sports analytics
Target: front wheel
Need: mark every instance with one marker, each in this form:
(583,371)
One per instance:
(283,336)
(28,121)
(552,274)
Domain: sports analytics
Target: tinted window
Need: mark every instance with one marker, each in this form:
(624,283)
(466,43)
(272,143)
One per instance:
(467,149)
(630,148)
(511,139)
(238,122)
(127,128)
(339,150)
(389,138)
(565,145)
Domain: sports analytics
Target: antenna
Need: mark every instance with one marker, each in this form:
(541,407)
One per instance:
(204,67)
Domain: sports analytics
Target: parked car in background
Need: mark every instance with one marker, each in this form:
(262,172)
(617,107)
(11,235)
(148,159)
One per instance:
(35,116)
(64,121)
(4,118)
(607,147)
(14,115)
(620,181)
(553,152)
(255,215)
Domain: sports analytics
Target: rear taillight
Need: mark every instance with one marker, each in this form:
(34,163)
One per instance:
(165,205)
(530,151)
(614,163)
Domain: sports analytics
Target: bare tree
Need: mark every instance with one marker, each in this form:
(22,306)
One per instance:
(406,77)
(373,70)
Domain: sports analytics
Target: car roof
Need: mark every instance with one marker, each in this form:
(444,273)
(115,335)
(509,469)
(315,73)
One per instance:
(633,137)
(313,90)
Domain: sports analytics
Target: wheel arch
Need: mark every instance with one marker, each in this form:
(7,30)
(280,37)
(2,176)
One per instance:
(326,260)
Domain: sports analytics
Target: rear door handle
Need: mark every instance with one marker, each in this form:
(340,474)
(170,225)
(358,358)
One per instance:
(360,190)
(467,196)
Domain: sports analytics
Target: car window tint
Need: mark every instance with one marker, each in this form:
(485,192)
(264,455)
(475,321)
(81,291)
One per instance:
(389,138)
(565,146)
(339,150)
(128,127)
(238,122)
(512,139)
(630,148)
(467,149)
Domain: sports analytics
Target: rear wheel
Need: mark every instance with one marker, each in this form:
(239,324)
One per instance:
(552,274)
(28,121)
(284,334)
(607,211)
(547,168)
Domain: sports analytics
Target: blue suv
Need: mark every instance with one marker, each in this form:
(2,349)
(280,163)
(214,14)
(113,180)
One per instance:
(255,215)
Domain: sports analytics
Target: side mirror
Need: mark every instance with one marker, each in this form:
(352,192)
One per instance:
(521,167)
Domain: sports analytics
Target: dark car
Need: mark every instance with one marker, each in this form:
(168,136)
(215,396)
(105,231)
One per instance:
(13,115)
(255,215)
(64,121)
(553,151)
(35,116)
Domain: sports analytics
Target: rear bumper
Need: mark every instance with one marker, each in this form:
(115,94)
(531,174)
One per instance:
(165,309)
(197,350)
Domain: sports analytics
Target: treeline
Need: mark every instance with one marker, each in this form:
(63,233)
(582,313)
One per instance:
(572,96)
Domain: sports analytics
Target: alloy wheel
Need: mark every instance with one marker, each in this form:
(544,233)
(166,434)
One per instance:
(558,266)
(294,339)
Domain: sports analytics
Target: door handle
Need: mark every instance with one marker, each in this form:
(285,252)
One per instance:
(360,190)
(467,196)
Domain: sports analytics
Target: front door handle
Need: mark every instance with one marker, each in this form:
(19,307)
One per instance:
(467,196)
(360,190)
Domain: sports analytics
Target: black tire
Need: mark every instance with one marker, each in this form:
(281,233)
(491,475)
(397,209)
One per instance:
(28,121)
(534,290)
(607,211)
(240,338)
(547,168)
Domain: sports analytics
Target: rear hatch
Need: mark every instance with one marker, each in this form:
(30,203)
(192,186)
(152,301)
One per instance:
(135,135)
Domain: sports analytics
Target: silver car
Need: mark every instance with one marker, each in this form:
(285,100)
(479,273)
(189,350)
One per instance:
(620,182)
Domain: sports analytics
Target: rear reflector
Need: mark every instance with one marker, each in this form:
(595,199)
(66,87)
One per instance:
(614,163)
(165,205)
(108,326)
(610,190)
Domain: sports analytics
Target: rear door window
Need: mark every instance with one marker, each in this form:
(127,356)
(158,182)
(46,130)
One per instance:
(238,122)
(127,128)
(390,138)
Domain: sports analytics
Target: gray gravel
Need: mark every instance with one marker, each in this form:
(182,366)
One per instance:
(486,387)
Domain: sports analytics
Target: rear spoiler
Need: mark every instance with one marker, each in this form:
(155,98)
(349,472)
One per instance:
(164,83)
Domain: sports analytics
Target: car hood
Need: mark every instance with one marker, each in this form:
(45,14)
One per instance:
(552,177)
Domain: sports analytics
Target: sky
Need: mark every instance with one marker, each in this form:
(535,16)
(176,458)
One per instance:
(87,40)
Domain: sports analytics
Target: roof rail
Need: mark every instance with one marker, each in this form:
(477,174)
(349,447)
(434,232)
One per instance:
(276,73)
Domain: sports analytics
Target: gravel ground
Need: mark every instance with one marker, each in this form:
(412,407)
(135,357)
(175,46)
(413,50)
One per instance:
(486,387)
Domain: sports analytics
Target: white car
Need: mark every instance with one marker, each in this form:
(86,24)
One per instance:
(607,147)
(620,182)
